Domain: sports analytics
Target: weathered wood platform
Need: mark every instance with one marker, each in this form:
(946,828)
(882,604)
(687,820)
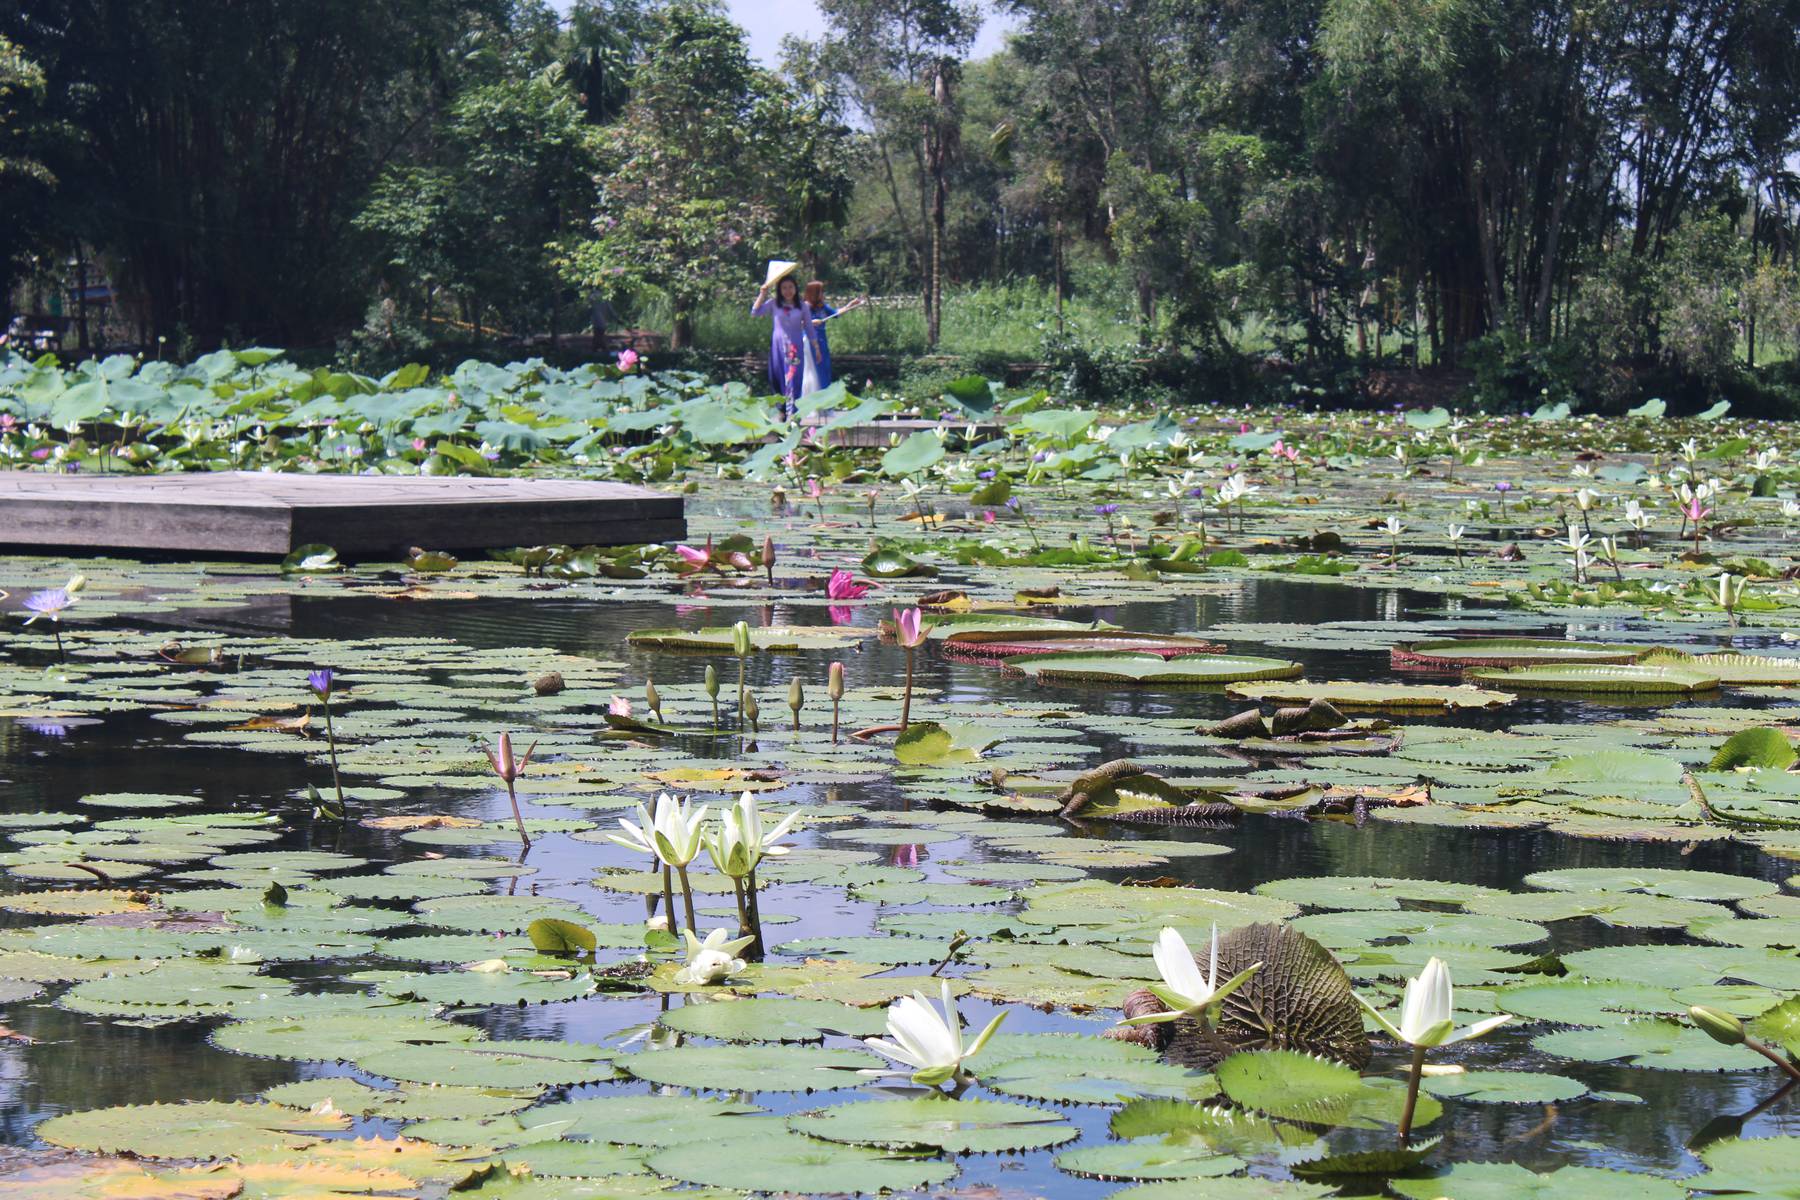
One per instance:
(246,512)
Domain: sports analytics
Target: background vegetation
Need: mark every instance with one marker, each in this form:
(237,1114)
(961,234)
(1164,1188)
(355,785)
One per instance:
(1315,200)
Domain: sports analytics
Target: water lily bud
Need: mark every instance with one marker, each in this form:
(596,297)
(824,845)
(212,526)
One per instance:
(1718,1025)
(768,551)
(651,697)
(752,710)
(75,584)
(796,695)
(740,639)
(712,682)
(834,681)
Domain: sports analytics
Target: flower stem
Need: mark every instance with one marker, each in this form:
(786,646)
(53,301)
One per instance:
(524,838)
(737,890)
(906,702)
(1412,1096)
(668,896)
(740,691)
(331,745)
(834,722)
(1774,1056)
(687,901)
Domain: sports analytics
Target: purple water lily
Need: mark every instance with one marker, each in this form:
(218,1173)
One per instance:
(48,603)
(320,682)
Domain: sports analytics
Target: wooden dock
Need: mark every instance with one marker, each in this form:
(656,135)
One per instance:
(360,516)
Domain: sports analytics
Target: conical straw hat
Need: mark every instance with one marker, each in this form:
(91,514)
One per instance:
(777,269)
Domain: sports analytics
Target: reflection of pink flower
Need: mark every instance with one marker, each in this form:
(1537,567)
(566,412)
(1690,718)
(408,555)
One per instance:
(840,615)
(628,359)
(905,855)
(843,586)
(909,626)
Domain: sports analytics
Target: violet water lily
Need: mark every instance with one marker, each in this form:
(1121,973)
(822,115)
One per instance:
(320,682)
(50,605)
(500,757)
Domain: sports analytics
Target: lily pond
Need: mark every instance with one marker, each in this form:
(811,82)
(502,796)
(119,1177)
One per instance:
(1361,806)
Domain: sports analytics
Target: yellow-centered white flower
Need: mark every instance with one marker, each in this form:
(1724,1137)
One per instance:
(1426,1018)
(929,1042)
(712,961)
(1185,991)
(673,834)
(740,842)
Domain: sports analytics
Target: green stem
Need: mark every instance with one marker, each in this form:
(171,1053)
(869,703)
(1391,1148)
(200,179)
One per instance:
(687,901)
(1412,1096)
(331,745)
(737,890)
(834,722)
(740,691)
(668,893)
(755,950)
(906,703)
(524,838)
(1779,1059)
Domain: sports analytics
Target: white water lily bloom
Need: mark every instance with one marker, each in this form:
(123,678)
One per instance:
(1790,508)
(1185,991)
(1690,450)
(673,834)
(929,1042)
(1426,1018)
(1635,516)
(1585,497)
(1393,527)
(1456,532)
(1577,541)
(740,842)
(1729,590)
(1766,458)
(713,960)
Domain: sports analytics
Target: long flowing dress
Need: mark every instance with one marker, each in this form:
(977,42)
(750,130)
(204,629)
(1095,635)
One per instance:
(825,313)
(788,345)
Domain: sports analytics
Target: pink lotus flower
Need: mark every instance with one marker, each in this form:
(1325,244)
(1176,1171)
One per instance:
(628,359)
(909,626)
(843,586)
(418,443)
(692,558)
(1282,450)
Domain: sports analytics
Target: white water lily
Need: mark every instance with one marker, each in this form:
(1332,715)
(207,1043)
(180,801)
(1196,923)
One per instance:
(1635,516)
(1766,458)
(1790,508)
(713,960)
(929,1042)
(740,842)
(1185,991)
(1426,1013)
(1585,497)
(1393,526)
(673,834)
(1729,590)
(1690,450)
(1456,532)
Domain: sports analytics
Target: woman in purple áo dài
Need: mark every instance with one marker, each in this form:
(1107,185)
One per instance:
(794,341)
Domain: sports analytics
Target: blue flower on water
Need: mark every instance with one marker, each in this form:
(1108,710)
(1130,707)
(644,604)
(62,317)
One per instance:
(1105,510)
(320,682)
(48,603)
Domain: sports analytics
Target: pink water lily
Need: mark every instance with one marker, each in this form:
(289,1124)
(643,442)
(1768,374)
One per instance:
(694,558)
(909,627)
(843,586)
(628,359)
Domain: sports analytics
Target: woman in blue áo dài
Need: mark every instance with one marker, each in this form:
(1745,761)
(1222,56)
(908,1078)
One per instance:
(794,339)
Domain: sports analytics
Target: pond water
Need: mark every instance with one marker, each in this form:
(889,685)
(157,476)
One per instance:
(76,1061)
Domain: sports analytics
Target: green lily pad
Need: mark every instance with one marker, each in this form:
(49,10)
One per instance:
(752,1068)
(939,1124)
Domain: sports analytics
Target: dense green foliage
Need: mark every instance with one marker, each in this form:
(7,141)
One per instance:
(1590,201)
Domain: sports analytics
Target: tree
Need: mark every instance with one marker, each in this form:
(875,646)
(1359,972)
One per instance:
(225,148)
(505,173)
(900,62)
(712,161)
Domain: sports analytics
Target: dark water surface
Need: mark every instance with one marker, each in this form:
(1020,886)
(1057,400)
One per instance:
(81,1062)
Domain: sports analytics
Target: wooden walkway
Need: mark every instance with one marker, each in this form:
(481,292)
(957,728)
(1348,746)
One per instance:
(360,516)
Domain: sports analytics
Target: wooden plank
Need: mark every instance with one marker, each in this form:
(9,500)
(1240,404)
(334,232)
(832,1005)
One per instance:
(264,513)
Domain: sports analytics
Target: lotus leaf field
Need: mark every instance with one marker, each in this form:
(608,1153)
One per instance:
(1023,711)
